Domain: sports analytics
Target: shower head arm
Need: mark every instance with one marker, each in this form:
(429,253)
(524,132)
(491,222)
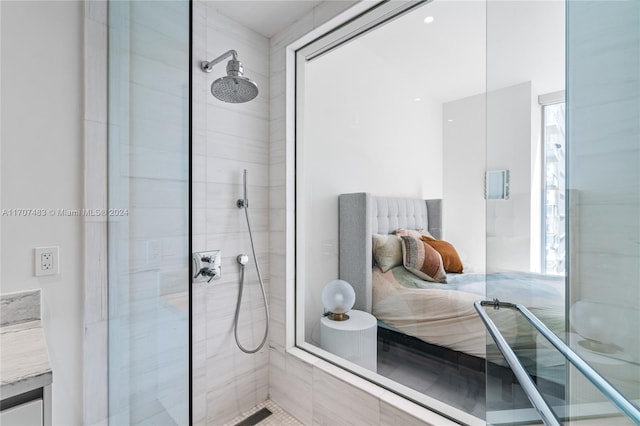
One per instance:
(208,66)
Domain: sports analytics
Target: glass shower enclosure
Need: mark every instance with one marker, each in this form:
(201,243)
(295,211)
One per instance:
(588,275)
(560,237)
(148,140)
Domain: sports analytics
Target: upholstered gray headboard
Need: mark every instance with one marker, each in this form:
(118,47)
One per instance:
(361,216)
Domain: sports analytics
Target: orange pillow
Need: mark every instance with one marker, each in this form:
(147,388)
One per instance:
(450,258)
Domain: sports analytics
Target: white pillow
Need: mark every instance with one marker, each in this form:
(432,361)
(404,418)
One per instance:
(387,251)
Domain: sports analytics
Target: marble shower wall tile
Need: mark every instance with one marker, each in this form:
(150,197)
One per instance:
(227,139)
(335,402)
(291,383)
(395,410)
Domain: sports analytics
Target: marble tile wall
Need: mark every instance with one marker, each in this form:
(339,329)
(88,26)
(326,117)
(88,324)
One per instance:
(228,138)
(312,390)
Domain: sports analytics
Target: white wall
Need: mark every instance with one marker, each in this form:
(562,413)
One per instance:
(356,139)
(501,234)
(511,115)
(1,204)
(464,165)
(42,155)
(228,138)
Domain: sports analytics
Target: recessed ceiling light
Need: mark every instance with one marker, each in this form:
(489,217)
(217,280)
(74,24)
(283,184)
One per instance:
(429,19)
(450,120)
(417,99)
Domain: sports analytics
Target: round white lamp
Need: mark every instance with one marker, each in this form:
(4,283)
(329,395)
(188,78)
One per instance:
(338,298)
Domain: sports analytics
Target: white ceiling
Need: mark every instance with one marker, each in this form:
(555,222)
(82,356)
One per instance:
(471,47)
(266,17)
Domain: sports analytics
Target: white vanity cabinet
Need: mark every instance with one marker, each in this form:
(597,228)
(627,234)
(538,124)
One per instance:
(27,414)
(30,408)
(25,371)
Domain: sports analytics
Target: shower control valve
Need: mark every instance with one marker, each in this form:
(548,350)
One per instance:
(207,266)
(207,272)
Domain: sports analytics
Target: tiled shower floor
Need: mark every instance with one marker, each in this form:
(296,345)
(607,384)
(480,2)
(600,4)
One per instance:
(279,417)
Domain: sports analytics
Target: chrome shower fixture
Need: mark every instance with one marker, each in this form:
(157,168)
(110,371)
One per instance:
(243,259)
(243,202)
(234,87)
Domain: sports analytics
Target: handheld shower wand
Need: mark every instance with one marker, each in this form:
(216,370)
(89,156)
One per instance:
(242,259)
(243,203)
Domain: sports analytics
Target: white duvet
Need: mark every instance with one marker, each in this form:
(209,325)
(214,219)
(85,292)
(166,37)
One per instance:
(444,315)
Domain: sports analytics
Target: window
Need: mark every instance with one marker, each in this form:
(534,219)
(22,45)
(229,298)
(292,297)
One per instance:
(553,193)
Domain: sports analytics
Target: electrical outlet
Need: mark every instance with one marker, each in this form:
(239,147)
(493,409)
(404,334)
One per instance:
(47,261)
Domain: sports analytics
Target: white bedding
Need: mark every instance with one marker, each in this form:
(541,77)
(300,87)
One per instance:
(443,314)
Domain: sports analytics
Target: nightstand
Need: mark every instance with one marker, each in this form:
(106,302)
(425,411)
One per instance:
(355,339)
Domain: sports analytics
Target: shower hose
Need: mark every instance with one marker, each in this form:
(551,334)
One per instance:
(242,263)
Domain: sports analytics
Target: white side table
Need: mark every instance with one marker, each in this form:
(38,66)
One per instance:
(355,339)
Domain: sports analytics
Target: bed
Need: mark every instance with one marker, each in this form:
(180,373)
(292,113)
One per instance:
(440,314)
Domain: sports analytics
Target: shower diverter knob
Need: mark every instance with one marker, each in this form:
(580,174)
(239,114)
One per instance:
(207,266)
(207,272)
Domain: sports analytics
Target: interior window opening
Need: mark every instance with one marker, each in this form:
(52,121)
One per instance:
(554,189)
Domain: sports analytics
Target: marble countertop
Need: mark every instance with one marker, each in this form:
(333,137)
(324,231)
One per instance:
(24,358)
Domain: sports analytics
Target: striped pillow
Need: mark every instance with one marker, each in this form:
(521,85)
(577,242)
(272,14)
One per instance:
(422,260)
(415,233)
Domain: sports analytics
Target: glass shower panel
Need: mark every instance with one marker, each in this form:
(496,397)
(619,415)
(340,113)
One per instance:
(525,60)
(603,109)
(594,304)
(148,190)
(535,400)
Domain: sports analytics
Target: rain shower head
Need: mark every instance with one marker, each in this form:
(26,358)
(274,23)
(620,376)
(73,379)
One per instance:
(234,87)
